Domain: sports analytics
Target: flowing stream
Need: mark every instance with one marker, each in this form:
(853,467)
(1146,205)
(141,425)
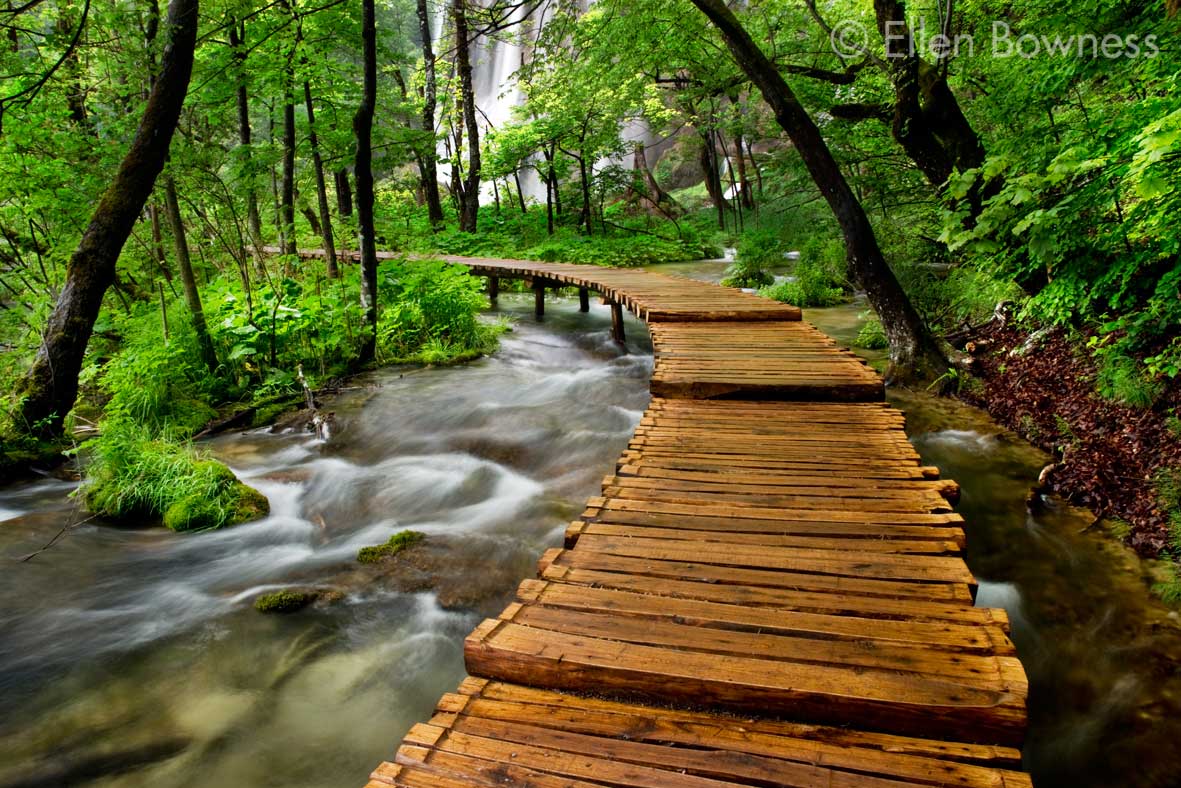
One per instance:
(133,656)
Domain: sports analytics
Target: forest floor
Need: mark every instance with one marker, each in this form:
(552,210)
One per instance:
(1108,455)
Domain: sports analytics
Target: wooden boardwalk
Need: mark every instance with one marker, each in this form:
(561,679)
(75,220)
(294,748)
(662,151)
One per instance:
(770,590)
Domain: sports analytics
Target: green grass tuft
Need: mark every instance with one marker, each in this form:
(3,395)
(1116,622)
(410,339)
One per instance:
(129,476)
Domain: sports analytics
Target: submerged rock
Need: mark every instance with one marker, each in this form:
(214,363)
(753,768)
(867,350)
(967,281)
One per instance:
(291,600)
(396,544)
(286,601)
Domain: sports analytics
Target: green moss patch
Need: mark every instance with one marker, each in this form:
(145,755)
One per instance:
(286,601)
(396,544)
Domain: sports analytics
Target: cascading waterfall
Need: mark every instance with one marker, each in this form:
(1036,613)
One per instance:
(497,59)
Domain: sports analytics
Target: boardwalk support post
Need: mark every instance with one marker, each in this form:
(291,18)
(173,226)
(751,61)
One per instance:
(583,299)
(493,288)
(617,322)
(539,298)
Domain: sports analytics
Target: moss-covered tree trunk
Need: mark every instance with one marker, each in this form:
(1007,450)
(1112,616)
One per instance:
(363,172)
(51,385)
(184,264)
(914,353)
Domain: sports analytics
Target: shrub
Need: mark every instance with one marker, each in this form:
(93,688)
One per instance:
(131,476)
(872,335)
(811,287)
(757,252)
(396,544)
(431,313)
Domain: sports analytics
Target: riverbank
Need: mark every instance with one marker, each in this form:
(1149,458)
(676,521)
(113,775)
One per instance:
(1107,456)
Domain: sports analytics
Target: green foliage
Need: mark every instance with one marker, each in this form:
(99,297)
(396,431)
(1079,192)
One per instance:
(1082,202)
(1168,490)
(949,298)
(631,241)
(812,285)
(159,385)
(131,476)
(285,601)
(872,336)
(758,254)
(430,312)
(396,544)
(1124,380)
(1173,422)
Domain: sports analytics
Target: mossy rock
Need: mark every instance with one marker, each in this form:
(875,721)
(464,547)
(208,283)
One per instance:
(268,413)
(249,504)
(236,504)
(396,544)
(285,601)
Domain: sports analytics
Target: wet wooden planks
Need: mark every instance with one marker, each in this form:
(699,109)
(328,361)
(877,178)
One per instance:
(749,556)
(757,360)
(768,544)
(496,734)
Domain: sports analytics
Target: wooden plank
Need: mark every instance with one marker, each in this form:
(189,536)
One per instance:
(769,542)
(976,638)
(879,700)
(838,754)
(841,739)
(827,602)
(745,576)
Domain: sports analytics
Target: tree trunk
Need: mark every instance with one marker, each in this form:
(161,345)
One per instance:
(914,354)
(344,193)
(321,186)
(158,243)
(253,219)
(363,169)
(746,196)
(549,205)
(469,194)
(309,214)
(927,121)
(520,191)
(713,177)
(430,174)
(287,184)
(49,389)
(659,198)
(184,264)
(584,182)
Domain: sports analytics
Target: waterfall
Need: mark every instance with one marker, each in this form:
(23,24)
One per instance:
(494,66)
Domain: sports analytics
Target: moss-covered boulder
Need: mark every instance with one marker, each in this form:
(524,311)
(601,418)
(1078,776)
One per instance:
(130,477)
(285,601)
(396,544)
(237,503)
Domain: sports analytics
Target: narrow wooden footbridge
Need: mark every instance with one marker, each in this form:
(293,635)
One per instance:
(769,591)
